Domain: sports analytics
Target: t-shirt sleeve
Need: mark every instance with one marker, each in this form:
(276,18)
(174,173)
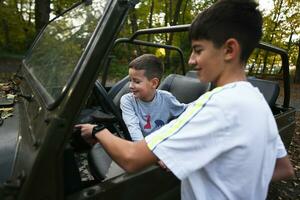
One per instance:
(281,151)
(130,118)
(202,144)
(176,108)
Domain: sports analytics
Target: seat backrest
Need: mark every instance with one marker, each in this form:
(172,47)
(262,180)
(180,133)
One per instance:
(121,92)
(117,87)
(270,89)
(99,162)
(185,89)
(192,73)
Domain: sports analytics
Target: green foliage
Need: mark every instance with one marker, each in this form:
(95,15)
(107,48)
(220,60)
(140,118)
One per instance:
(281,28)
(16,34)
(164,13)
(61,5)
(17,28)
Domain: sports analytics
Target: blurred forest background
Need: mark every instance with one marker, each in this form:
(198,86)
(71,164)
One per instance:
(21,21)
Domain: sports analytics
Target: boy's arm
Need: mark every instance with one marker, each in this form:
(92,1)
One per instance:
(131,119)
(283,169)
(131,156)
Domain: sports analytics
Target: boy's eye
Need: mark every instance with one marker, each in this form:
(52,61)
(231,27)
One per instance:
(135,81)
(198,50)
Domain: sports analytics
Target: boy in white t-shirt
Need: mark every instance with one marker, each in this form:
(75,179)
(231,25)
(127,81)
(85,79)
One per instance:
(226,144)
(146,109)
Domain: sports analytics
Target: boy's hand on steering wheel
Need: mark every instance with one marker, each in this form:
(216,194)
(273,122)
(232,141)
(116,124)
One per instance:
(86,132)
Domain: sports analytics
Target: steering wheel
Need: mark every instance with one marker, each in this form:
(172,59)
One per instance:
(108,106)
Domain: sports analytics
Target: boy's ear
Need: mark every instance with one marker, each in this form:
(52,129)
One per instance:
(155,82)
(232,49)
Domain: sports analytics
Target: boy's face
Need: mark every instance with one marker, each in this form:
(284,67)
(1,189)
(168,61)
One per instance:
(140,86)
(208,61)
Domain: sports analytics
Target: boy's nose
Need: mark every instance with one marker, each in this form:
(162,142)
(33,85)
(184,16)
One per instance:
(130,85)
(192,61)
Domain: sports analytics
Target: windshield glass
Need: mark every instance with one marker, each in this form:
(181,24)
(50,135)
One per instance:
(58,50)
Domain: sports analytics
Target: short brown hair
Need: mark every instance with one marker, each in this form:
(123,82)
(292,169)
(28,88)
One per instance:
(150,63)
(230,19)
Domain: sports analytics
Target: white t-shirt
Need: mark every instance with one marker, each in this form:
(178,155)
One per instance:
(224,146)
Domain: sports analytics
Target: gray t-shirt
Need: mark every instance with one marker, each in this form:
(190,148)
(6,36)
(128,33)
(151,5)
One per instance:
(142,118)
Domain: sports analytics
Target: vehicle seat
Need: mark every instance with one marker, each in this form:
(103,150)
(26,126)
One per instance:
(192,74)
(120,93)
(185,89)
(270,89)
(99,162)
(117,87)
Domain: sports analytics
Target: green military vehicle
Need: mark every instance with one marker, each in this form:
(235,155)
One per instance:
(65,79)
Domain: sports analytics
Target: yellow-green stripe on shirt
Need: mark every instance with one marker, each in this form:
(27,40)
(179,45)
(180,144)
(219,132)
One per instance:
(199,104)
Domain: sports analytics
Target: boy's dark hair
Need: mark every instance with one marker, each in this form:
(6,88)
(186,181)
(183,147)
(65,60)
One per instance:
(226,19)
(150,63)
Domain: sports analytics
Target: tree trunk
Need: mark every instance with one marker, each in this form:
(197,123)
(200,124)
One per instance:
(184,10)
(134,28)
(133,21)
(290,42)
(42,14)
(272,65)
(150,19)
(255,61)
(5,28)
(258,68)
(297,73)
(30,13)
(170,10)
(273,31)
(174,21)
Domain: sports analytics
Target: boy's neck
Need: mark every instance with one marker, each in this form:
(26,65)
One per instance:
(150,97)
(234,73)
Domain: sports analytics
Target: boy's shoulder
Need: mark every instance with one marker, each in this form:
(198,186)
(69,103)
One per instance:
(127,97)
(164,93)
(234,87)
(236,94)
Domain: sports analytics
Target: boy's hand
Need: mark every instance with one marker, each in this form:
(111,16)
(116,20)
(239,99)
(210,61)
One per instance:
(86,132)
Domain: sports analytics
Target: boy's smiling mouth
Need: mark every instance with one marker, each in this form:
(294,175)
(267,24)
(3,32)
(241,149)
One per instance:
(198,69)
(134,92)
